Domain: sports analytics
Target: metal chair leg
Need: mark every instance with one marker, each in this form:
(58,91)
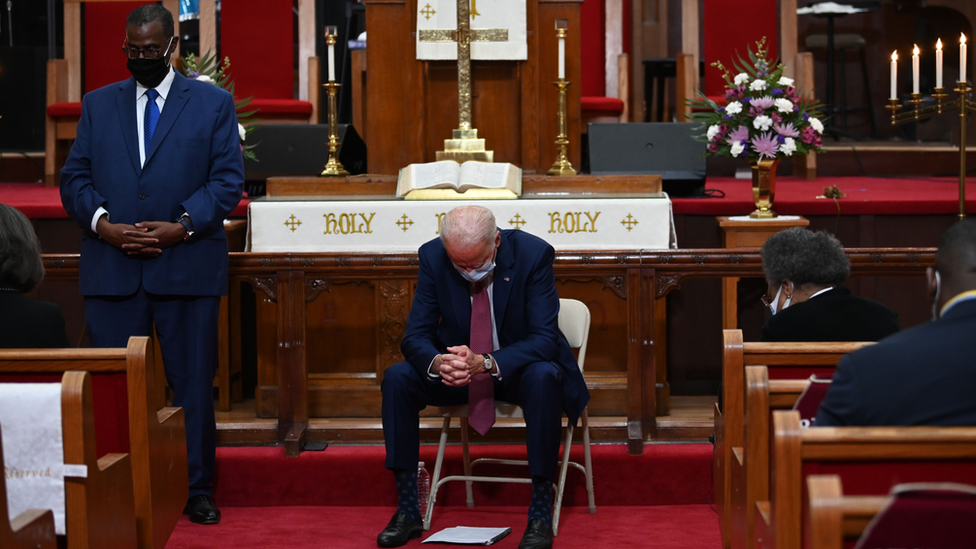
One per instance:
(435,481)
(588,461)
(561,484)
(467,462)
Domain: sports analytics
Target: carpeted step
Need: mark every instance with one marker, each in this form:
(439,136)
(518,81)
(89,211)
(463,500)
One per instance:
(665,474)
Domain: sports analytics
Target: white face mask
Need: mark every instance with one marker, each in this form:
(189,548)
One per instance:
(938,292)
(476,275)
(775,303)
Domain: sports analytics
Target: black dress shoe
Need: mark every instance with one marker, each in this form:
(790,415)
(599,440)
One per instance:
(399,531)
(537,535)
(202,510)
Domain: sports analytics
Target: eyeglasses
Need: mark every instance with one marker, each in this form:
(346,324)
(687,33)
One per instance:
(766,300)
(152,52)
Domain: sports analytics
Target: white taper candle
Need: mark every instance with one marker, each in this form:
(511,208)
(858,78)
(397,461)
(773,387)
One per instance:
(915,53)
(894,74)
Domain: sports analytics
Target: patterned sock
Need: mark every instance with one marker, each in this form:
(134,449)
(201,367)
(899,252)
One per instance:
(406,487)
(541,505)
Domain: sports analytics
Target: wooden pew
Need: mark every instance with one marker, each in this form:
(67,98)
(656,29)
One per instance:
(32,529)
(835,518)
(787,361)
(157,433)
(99,508)
(870,460)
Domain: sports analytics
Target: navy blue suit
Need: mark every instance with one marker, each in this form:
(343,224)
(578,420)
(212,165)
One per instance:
(922,376)
(194,165)
(539,371)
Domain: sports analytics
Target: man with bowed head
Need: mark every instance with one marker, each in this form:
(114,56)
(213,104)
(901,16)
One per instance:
(483,326)
(155,169)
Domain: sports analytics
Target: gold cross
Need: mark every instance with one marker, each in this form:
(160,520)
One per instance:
(404,223)
(292,223)
(464,35)
(427,12)
(629,222)
(517,221)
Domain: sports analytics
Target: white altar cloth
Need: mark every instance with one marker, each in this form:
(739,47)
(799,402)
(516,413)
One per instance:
(398,226)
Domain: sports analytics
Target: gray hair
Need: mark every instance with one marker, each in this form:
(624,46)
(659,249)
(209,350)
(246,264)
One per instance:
(20,252)
(468,226)
(804,257)
(149,13)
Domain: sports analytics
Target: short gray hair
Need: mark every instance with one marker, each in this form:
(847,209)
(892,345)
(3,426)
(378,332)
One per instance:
(468,226)
(805,257)
(20,252)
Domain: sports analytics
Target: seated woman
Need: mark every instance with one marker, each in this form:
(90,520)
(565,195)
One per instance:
(25,323)
(805,272)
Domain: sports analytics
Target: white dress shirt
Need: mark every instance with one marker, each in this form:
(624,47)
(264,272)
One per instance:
(141,101)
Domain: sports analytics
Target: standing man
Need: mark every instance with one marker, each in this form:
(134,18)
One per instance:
(483,325)
(155,169)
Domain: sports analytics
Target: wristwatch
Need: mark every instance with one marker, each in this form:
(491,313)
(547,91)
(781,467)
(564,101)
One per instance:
(185,221)
(489,363)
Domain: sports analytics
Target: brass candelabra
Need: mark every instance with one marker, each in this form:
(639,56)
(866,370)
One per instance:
(333,168)
(562,165)
(964,105)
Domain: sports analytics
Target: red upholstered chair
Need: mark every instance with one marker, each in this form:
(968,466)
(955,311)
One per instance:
(598,103)
(728,28)
(258,37)
(99,63)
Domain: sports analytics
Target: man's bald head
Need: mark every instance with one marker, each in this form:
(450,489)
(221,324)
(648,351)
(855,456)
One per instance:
(468,227)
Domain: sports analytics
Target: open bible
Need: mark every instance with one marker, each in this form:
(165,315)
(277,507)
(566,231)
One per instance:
(447,180)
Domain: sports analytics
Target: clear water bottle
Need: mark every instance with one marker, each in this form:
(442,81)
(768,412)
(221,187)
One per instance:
(423,487)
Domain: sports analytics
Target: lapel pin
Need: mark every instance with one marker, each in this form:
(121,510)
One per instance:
(506,279)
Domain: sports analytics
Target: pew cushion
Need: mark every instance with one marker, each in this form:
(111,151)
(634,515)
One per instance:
(64,110)
(609,105)
(267,107)
(924,515)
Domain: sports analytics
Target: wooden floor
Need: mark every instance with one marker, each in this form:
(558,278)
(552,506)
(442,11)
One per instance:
(690,420)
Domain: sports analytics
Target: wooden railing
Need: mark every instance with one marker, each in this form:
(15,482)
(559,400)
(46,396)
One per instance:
(641,279)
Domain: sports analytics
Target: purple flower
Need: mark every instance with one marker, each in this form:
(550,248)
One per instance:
(755,111)
(790,93)
(738,135)
(765,144)
(806,117)
(763,102)
(780,139)
(776,91)
(811,137)
(786,130)
(776,117)
(713,147)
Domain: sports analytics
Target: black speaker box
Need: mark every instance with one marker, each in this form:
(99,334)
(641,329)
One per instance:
(301,150)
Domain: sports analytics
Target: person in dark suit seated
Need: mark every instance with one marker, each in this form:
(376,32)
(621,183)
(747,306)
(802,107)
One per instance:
(925,375)
(805,272)
(483,325)
(25,323)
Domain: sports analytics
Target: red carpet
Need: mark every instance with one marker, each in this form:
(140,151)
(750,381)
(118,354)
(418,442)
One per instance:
(343,497)
(661,527)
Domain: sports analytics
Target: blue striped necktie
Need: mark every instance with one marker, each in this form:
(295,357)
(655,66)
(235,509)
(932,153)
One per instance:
(150,119)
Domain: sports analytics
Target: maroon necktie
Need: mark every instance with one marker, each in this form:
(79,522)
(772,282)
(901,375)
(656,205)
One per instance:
(481,391)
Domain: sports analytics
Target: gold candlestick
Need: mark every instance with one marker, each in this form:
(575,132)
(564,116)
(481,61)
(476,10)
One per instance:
(562,165)
(333,168)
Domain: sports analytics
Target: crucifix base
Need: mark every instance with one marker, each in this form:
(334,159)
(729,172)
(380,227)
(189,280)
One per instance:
(465,146)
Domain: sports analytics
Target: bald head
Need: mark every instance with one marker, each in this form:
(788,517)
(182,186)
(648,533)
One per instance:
(956,258)
(468,227)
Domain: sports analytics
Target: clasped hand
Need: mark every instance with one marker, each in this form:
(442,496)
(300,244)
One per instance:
(458,366)
(147,238)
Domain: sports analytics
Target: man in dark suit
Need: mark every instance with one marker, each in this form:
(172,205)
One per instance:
(484,318)
(925,375)
(155,169)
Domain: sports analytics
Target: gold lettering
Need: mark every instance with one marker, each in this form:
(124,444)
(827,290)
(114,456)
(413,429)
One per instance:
(555,222)
(346,223)
(570,219)
(593,219)
(368,221)
(331,227)
(440,219)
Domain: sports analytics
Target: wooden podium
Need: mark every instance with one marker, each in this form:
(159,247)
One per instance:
(412,105)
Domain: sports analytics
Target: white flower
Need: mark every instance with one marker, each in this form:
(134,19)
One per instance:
(240,131)
(816,124)
(205,78)
(758,85)
(784,105)
(741,78)
(762,122)
(712,132)
(788,147)
(734,107)
(784,81)
(737,149)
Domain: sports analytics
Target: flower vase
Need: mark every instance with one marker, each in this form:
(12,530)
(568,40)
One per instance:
(764,187)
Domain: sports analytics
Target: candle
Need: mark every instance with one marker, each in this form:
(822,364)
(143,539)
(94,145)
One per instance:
(330,38)
(915,53)
(938,63)
(562,56)
(331,62)
(962,57)
(894,74)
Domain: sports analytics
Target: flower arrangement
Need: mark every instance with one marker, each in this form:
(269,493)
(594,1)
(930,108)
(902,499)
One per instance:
(206,69)
(764,118)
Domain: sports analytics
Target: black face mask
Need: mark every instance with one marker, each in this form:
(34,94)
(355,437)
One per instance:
(148,72)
